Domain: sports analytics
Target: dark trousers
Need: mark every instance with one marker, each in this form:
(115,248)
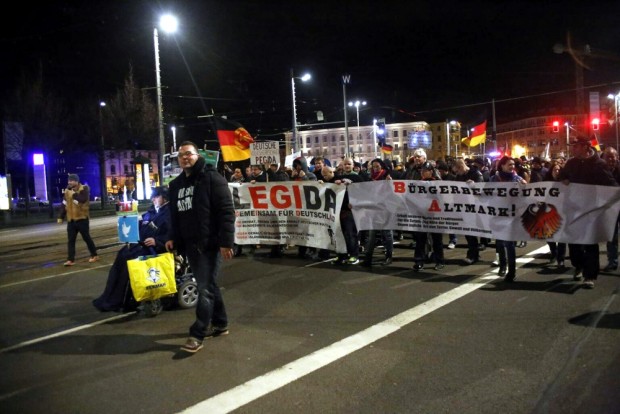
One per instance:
(205,266)
(349,231)
(81,227)
(585,256)
(113,296)
(472,247)
(558,250)
(420,246)
(388,243)
(612,246)
(507,255)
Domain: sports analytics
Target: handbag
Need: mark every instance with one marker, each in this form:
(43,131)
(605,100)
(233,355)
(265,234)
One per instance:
(152,277)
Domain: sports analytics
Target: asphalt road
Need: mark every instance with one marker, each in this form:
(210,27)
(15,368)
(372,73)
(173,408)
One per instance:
(309,337)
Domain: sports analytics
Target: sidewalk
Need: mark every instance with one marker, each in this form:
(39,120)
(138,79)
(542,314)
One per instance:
(41,215)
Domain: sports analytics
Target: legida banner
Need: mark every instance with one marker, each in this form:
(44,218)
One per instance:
(298,213)
(547,211)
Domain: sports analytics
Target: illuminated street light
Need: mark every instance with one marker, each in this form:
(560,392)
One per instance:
(169,24)
(357,105)
(306,77)
(174,138)
(104,187)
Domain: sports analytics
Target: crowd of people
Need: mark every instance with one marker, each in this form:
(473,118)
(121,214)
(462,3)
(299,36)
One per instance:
(585,166)
(196,218)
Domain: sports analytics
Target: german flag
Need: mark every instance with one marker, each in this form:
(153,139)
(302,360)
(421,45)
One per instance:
(477,136)
(387,149)
(594,143)
(234,140)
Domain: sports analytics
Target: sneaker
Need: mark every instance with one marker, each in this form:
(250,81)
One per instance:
(352,260)
(451,245)
(418,266)
(482,247)
(577,274)
(469,261)
(502,271)
(93,259)
(588,284)
(611,266)
(69,263)
(192,345)
(439,266)
(387,261)
(214,331)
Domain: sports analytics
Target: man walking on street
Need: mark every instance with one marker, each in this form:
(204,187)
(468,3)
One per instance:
(75,208)
(586,167)
(203,219)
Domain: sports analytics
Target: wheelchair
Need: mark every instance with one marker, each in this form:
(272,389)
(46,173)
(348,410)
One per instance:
(185,298)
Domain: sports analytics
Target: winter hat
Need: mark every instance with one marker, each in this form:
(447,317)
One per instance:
(74,177)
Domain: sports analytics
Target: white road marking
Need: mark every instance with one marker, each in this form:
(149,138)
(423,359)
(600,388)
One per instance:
(258,387)
(65,332)
(21,282)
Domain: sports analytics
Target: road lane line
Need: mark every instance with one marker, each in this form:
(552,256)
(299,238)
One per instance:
(65,332)
(258,387)
(52,276)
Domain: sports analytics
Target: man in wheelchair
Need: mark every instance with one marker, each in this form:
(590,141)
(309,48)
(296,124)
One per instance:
(154,228)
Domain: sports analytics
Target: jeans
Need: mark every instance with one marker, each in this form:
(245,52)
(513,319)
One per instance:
(388,243)
(210,309)
(81,227)
(349,231)
(507,255)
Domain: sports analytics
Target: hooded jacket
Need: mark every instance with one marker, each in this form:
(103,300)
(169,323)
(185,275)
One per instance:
(202,209)
(301,161)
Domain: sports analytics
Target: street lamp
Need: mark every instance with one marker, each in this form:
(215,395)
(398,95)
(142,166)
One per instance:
(449,124)
(616,99)
(304,78)
(169,24)
(357,105)
(174,138)
(102,180)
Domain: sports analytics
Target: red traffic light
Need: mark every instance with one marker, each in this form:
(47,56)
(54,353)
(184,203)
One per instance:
(556,126)
(595,123)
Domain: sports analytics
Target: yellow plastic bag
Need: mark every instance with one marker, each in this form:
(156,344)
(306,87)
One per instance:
(152,277)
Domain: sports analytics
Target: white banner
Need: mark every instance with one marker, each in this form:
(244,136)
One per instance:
(549,211)
(299,213)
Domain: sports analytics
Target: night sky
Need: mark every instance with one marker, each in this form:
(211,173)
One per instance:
(411,60)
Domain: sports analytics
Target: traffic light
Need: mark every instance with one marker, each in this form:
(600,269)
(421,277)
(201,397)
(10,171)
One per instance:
(556,126)
(595,122)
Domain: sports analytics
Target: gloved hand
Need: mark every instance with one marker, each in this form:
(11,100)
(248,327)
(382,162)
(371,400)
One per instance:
(59,221)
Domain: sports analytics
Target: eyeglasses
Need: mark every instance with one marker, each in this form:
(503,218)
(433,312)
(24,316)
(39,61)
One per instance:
(186,154)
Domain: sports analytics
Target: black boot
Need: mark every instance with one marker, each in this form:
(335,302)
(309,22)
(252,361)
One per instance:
(502,271)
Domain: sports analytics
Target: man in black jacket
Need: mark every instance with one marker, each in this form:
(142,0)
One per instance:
(586,167)
(203,219)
